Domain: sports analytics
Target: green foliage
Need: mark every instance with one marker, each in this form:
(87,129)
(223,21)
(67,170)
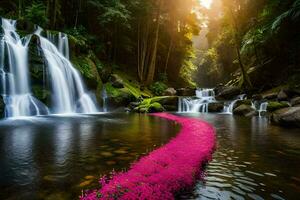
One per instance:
(149,105)
(292,14)
(36,13)
(158,88)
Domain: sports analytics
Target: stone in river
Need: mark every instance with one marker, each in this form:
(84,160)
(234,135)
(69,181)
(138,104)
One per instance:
(89,177)
(111,162)
(120,151)
(85,183)
(106,154)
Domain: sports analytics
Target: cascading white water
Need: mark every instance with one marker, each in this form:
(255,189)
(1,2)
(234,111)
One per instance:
(263,108)
(14,76)
(68,91)
(104,99)
(228,108)
(199,104)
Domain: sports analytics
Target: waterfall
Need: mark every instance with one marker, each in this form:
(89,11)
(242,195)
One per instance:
(198,104)
(68,91)
(104,99)
(14,75)
(228,108)
(263,108)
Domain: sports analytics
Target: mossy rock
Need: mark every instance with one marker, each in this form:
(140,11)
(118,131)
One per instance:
(41,94)
(118,97)
(242,102)
(275,105)
(148,107)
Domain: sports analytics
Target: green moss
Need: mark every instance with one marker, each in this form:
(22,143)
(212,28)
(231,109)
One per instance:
(274,105)
(84,65)
(41,94)
(133,87)
(148,106)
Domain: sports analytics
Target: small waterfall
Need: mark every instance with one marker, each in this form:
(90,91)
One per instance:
(198,104)
(228,108)
(263,108)
(14,75)
(68,91)
(104,99)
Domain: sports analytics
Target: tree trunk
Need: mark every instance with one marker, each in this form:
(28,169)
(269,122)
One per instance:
(152,65)
(246,78)
(168,55)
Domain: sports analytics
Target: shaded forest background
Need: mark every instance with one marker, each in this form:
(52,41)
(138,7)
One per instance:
(150,39)
(251,44)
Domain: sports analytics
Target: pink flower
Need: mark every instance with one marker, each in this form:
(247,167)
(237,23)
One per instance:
(165,171)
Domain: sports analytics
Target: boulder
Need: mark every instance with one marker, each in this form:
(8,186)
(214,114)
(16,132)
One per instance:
(257,97)
(242,102)
(2,107)
(244,110)
(228,92)
(168,100)
(275,105)
(215,107)
(186,92)
(287,116)
(282,96)
(25,26)
(270,96)
(295,101)
(170,92)
(116,81)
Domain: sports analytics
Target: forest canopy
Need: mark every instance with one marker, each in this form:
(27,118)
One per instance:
(155,40)
(152,39)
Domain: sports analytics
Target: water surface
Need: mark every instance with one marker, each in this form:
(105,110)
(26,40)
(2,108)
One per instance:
(253,160)
(56,157)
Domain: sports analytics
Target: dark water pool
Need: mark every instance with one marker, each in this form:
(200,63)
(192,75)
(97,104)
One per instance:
(55,158)
(253,160)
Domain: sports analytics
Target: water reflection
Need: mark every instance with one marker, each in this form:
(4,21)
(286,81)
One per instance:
(56,157)
(254,160)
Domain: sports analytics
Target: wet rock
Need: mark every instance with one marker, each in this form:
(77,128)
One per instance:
(186,92)
(244,110)
(2,107)
(171,108)
(89,177)
(85,183)
(116,81)
(111,162)
(257,97)
(282,96)
(275,105)
(242,102)
(106,154)
(25,27)
(216,107)
(287,117)
(132,105)
(156,107)
(170,101)
(270,96)
(120,151)
(228,92)
(295,101)
(170,92)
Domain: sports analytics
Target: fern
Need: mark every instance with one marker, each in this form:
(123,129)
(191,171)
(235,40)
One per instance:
(292,14)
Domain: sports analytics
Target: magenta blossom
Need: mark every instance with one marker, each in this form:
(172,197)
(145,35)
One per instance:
(165,171)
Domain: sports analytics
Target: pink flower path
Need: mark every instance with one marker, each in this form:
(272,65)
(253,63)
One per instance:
(165,171)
